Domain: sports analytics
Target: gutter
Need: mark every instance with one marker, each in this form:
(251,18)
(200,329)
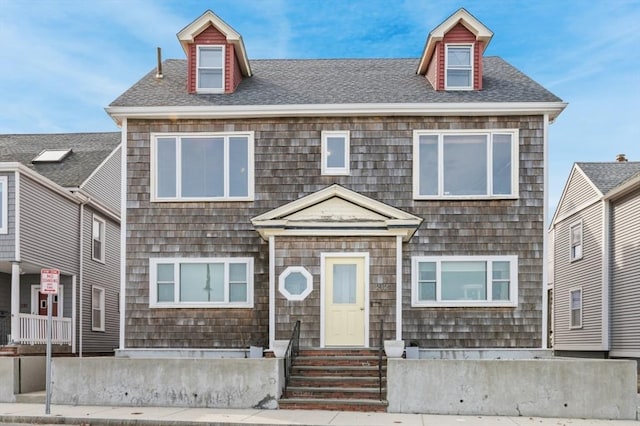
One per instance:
(118,113)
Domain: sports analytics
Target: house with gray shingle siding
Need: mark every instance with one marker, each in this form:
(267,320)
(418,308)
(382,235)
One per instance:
(596,261)
(368,198)
(60,209)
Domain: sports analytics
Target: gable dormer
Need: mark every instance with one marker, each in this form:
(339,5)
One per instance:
(452,57)
(216,57)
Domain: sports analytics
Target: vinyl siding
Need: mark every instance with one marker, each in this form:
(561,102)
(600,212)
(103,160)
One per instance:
(105,275)
(49,227)
(104,185)
(578,191)
(287,167)
(625,273)
(585,273)
(7,241)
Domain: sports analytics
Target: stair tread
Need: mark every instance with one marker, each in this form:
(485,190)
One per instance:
(335,401)
(332,388)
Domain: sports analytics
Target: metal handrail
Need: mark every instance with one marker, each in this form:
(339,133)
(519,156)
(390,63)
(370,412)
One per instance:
(380,347)
(293,349)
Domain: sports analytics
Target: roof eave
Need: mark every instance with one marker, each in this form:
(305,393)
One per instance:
(553,109)
(623,189)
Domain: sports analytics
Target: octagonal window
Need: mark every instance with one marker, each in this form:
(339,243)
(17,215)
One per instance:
(296,283)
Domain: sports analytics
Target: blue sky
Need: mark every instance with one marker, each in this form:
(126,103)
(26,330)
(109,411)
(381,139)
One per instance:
(64,61)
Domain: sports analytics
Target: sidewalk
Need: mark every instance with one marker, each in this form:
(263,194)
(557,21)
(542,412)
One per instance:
(175,416)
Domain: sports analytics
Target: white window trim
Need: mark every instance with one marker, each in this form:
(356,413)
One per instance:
(4,212)
(289,271)
(224,56)
(571,227)
(515,164)
(178,198)
(153,289)
(101,257)
(446,66)
(102,308)
(572,326)
(336,171)
(513,282)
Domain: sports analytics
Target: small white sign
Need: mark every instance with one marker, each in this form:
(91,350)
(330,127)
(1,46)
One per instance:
(49,280)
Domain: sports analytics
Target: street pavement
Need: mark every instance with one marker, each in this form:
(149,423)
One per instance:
(22,413)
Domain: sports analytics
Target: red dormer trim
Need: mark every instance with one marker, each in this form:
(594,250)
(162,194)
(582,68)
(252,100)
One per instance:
(461,28)
(210,30)
(212,37)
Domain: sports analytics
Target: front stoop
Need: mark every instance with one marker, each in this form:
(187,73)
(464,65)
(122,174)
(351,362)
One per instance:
(336,379)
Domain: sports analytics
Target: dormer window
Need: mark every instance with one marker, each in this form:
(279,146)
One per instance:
(210,69)
(459,67)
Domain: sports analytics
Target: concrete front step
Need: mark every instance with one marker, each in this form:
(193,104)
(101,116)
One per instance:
(340,393)
(38,397)
(364,405)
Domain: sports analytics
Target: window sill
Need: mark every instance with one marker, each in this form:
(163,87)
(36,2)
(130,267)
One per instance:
(209,91)
(576,259)
(101,330)
(199,306)
(578,327)
(463,304)
(202,200)
(98,260)
(464,197)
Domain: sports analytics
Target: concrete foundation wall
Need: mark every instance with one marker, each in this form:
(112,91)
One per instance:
(33,373)
(215,383)
(599,389)
(8,379)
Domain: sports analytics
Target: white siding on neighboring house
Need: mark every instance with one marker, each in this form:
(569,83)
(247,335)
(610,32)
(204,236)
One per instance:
(625,275)
(578,191)
(586,274)
(104,184)
(49,226)
(7,241)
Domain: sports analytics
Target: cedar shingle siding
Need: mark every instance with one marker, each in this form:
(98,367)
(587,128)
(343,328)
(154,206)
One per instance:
(287,167)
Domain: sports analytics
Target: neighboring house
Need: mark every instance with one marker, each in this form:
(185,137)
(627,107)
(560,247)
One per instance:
(597,261)
(346,193)
(60,208)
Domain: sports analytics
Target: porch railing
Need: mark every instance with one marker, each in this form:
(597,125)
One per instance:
(380,348)
(293,349)
(33,330)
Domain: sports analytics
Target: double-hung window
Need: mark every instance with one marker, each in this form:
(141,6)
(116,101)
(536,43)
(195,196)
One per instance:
(201,282)
(210,63)
(98,239)
(459,67)
(465,164)
(4,200)
(335,153)
(575,231)
(97,308)
(575,307)
(202,167)
(464,281)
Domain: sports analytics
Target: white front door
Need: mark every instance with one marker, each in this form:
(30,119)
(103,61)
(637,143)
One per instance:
(345,313)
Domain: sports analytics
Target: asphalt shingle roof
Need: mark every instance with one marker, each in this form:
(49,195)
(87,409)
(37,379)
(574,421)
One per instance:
(89,150)
(333,81)
(607,176)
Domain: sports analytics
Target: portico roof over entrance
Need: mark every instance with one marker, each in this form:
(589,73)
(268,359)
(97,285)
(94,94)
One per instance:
(337,211)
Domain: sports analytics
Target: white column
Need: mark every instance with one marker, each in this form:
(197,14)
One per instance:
(272,291)
(15,301)
(398,287)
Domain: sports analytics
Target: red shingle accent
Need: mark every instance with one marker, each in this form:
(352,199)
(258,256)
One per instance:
(436,69)
(210,36)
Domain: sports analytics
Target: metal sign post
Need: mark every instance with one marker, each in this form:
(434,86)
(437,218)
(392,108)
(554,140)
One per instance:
(49,280)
